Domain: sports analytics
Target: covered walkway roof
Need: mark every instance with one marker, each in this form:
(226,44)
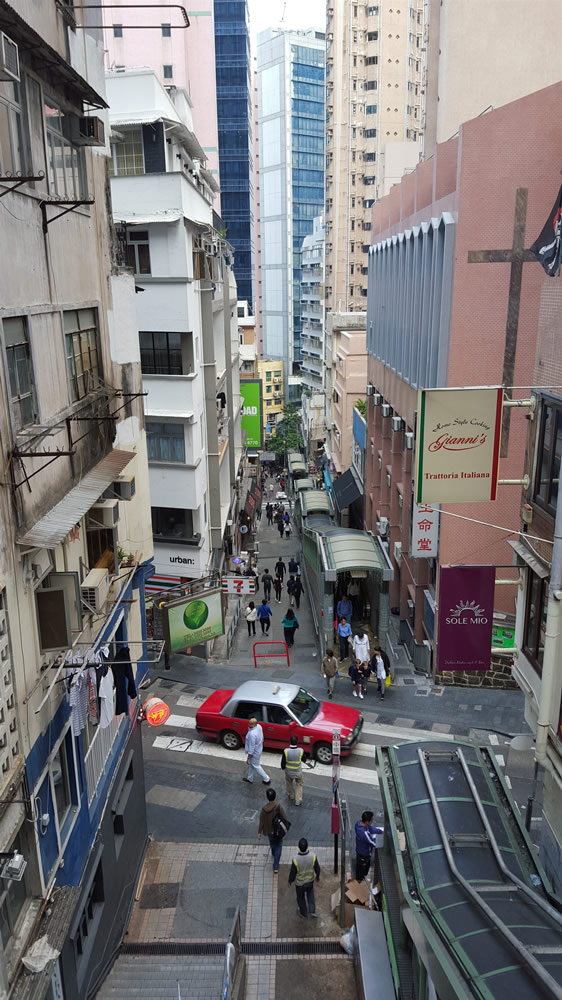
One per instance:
(296,463)
(305,484)
(348,549)
(315,502)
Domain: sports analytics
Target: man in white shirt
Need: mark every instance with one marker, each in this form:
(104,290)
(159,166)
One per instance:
(254,750)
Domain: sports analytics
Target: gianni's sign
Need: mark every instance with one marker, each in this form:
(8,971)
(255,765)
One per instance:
(458,445)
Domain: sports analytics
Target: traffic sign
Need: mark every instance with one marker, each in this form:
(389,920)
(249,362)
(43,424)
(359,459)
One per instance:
(238,585)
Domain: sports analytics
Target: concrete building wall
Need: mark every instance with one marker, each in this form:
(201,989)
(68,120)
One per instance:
(349,386)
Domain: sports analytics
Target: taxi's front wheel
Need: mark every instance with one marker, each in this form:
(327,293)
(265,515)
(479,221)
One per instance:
(323,753)
(230,740)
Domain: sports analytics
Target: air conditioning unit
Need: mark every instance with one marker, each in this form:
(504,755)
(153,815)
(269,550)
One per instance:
(370,390)
(382,527)
(386,410)
(9,59)
(104,514)
(397,424)
(95,588)
(409,440)
(410,607)
(123,488)
(377,399)
(398,552)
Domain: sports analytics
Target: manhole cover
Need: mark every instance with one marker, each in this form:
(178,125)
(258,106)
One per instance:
(408,680)
(167,683)
(160,896)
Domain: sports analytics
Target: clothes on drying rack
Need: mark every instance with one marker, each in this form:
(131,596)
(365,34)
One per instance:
(124,680)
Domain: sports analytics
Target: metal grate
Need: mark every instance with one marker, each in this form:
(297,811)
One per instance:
(160,896)
(328,946)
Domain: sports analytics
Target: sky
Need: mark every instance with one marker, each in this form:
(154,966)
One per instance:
(298,14)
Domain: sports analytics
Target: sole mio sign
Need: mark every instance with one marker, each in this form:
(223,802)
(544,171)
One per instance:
(465,621)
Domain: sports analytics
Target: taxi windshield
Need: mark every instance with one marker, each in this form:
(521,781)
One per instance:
(304,707)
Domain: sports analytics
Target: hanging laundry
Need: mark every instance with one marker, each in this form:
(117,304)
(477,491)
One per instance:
(124,680)
(105,692)
(92,696)
(78,699)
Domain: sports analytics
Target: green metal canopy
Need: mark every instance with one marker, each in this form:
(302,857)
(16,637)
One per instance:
(305,484)
(349,549)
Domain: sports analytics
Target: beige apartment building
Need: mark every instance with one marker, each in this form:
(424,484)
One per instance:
(350,366)
(374,66)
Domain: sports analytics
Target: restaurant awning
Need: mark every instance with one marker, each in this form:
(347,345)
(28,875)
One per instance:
(55,525)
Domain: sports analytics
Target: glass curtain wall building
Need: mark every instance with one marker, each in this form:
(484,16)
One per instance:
(291,79)
(234,113)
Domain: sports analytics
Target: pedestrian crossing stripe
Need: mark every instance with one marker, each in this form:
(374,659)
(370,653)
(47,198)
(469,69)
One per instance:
(172,743)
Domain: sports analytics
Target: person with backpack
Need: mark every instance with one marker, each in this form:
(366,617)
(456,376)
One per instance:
(264,613)
(291,764)
(251,615)
(291,590)
(293,566)
(304,869)
(274,823)
(278,588)
(290,625)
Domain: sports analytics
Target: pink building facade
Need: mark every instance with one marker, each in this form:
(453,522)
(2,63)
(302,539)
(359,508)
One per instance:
(181,57)
(442,311)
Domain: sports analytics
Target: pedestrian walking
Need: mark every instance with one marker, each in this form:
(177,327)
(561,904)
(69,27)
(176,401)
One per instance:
(278,588)
(271,488)
(291,590)
(290,625)
(298,591)
(380,663)
(364,674)
(330,671)
(269,514)
(281,527)
(251,615)
(344,632)
(280,568)
(258,514)
(291,764)
(344,608)
(293,566)
(272,820)
(267,580)
(360,646)
(264,613)
(355,677)
(254,749)
(354,592)
(288,530)
(286,517)
(365,844)
(304,870)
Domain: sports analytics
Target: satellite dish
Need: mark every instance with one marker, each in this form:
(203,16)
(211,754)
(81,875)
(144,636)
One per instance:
(523,741)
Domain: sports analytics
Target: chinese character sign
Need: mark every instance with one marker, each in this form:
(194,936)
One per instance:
(466,612)
(425,530)
(458,445)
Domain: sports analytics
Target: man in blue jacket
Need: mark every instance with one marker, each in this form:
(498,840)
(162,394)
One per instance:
(264,614)
(365,842)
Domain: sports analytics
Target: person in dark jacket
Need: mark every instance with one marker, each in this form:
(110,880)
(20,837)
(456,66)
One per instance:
(280,568)
(269,811)
(267,580)
(291,590)
(293,566)
(365,844)
(278,588)
(298,591)
(124,680)
(290,625)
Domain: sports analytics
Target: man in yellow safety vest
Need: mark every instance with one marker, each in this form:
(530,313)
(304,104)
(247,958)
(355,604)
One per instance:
(304,870)
(291,763)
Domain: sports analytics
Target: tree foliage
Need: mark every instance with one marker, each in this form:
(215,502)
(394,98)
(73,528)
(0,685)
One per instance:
(287,435)
(361,405)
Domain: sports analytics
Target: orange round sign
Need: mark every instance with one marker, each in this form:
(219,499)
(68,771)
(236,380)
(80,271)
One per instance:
(156,711)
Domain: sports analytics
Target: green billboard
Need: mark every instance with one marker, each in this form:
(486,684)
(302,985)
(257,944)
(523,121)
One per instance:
(194,620)
(250,390)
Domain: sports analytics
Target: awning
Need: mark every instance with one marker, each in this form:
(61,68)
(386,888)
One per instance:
(55,525)
(349,550)
(346,489)
(305,484)
(538,565)
(148,118)
(131,219)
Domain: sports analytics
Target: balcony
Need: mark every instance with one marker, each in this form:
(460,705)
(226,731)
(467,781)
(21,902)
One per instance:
(170,396)
(154,193)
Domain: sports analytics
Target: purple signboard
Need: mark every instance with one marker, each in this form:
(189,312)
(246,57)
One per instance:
(466,611)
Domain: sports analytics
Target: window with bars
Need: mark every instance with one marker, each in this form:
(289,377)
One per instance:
(165,442)
(20,371)
(161,353)
(138,251)
(535,621)
(127,155)
(66,163)
(83,366)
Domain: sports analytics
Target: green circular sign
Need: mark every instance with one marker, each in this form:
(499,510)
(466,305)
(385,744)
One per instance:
(195,615)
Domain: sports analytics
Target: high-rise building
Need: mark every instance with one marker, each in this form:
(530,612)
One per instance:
(291,67)
(234,110)
(374,64)
(312,308)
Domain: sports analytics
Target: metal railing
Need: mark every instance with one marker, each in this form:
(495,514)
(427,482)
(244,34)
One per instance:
(98,753)
(232,628)
(232,958)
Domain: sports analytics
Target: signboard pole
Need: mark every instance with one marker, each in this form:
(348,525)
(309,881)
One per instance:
(336,750)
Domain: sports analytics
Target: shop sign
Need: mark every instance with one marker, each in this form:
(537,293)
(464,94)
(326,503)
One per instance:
(250,391)
(465,617)
(194,620)
(425,531)
(458,445)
